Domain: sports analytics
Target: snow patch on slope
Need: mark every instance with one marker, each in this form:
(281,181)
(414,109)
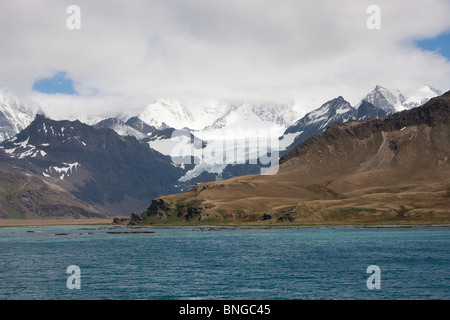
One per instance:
(22,150)
(61,172)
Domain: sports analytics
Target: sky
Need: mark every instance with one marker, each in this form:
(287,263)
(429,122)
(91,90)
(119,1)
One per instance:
(439,44)
(59,83)
(116,57)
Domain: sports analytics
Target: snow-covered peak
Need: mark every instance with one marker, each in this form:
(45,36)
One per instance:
(253,117)
(186,114)
(384,99)
(14,115)
(329,110)
(316,121)
(120,127)
(395,101)
(281,114)
(211,115)
(421,96)
(429,91)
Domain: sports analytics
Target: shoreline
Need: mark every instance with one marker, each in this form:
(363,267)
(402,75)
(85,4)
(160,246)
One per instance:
(362,226)
(5,223)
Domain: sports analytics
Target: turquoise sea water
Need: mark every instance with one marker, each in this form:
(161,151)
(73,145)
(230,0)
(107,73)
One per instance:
(223,263)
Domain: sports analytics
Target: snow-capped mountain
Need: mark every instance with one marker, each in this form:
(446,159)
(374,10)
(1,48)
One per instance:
(247,117)
(121,127)
(213,139)
(421,96)
(139,125)
(316,121)
(178,115)
(119,170)
(396,101)
(212,115)
(14,116)
(227,128)
(379,103)
(213,133)
(114,174)
(215,130)
(385,100)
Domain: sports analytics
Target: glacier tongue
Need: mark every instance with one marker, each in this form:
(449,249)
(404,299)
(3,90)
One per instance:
(224,128)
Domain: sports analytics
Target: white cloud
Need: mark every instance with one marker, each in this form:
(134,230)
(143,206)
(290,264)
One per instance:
(128,54)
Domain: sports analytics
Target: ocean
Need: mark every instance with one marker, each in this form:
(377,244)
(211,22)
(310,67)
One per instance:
(117,263)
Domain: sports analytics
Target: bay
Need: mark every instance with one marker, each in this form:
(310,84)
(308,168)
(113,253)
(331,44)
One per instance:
(224,263)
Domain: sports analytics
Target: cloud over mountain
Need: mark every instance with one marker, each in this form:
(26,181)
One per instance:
(129,54)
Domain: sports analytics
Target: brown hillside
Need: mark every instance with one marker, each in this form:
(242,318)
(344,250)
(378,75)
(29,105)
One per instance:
(24,195)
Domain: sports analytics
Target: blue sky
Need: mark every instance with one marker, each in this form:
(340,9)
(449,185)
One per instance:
(59,83)
(440,45)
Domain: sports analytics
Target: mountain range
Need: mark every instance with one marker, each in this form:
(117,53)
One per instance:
(392,170)
(215,121)
(113,174)
(116,165)
(377,104)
